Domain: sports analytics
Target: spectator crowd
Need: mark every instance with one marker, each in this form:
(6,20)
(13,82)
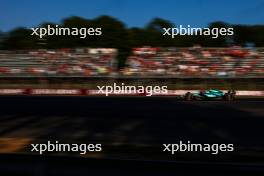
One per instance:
(63,62)
(144,62)
(196,62)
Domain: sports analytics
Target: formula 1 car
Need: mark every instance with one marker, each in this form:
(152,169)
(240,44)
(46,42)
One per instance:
(210,95)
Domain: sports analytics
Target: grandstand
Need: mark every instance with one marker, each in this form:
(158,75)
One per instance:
(194,62)
(64,62)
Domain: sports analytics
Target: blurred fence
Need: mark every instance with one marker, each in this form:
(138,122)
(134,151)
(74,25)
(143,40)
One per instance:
(172,83)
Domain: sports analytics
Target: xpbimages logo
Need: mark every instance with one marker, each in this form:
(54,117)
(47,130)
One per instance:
(190,147)
(129,89)
(63,31)
(59,147)
(213,32)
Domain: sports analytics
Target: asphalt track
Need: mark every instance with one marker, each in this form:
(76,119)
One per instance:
(131,124)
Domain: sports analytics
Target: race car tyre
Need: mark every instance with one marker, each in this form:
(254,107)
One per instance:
(229,97)
(233,92)
(188,96)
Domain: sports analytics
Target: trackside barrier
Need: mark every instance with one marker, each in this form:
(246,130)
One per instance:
(88,92)
(55,92)
(12,91)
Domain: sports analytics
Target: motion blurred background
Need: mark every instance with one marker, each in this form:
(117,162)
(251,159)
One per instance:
(132,46)
(132,50)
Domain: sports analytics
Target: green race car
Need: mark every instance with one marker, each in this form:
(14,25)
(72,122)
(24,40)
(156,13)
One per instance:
(211,94)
